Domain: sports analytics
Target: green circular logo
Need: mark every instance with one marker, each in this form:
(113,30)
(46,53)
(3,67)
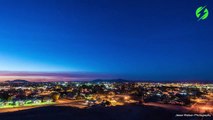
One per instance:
(202,13)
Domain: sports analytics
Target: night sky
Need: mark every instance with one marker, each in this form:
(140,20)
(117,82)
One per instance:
(130,39)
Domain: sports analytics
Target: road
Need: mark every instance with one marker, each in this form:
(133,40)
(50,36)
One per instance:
(62,102)
(168,106)
(3,110)
(72,103)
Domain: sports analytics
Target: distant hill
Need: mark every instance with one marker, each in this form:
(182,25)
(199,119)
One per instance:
(111,80)
(17,81)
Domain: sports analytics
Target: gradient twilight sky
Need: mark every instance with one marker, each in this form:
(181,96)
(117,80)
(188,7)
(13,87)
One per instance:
(134,39)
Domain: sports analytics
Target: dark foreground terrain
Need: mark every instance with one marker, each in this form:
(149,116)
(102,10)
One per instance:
(130,112)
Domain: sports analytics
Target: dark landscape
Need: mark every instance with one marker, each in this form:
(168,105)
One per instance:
(131,112)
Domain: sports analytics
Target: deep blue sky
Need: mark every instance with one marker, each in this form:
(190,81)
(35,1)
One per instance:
(137,39)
